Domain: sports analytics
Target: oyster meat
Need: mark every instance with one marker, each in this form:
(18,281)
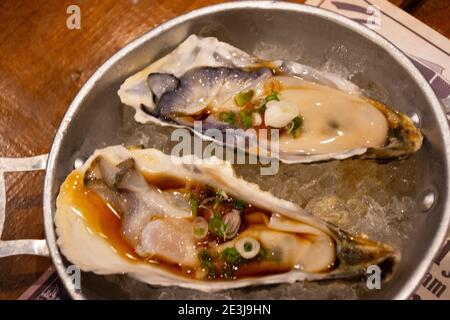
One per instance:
(318,115)
(193,223)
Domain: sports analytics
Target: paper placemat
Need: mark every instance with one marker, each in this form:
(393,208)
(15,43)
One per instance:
(430,53)
(47,287)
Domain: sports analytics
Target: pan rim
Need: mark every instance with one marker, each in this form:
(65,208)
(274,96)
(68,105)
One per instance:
(410,284)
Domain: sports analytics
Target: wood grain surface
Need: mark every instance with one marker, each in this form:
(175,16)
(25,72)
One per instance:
(43,65)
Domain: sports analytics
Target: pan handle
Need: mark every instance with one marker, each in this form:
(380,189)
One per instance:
(27,246)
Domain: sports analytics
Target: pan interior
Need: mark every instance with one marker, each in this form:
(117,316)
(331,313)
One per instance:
(379,199)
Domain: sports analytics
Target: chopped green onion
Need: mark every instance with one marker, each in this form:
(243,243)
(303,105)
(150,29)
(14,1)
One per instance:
(231,258)
(194,205)
(231,255)
(212,274)
(204,256)
(228,117)
(239,204)
(207,263)
(246,119)
(265,254)
(217,226)
(247,247)
(199,232)
(294,126)
(222,194)
(200,227)
(272,96)
(242,98)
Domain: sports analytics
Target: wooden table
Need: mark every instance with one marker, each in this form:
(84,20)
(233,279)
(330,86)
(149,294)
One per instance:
(43,65)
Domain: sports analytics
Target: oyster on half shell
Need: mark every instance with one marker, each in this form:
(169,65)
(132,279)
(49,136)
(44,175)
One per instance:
(319,115)
(193,223)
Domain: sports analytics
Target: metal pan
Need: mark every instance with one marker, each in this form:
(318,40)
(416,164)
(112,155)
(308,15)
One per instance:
(95,118)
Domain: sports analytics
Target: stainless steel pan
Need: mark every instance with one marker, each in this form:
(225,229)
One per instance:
(95,117)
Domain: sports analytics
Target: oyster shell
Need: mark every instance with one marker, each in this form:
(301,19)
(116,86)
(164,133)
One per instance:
(319,115)
(131,211)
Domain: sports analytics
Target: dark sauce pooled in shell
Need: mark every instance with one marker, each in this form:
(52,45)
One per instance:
(104,220)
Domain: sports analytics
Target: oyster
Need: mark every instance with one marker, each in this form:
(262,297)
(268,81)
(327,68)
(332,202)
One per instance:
(193,223)
(319,116)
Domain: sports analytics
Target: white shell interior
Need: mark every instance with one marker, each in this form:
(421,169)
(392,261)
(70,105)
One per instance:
(199,52)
